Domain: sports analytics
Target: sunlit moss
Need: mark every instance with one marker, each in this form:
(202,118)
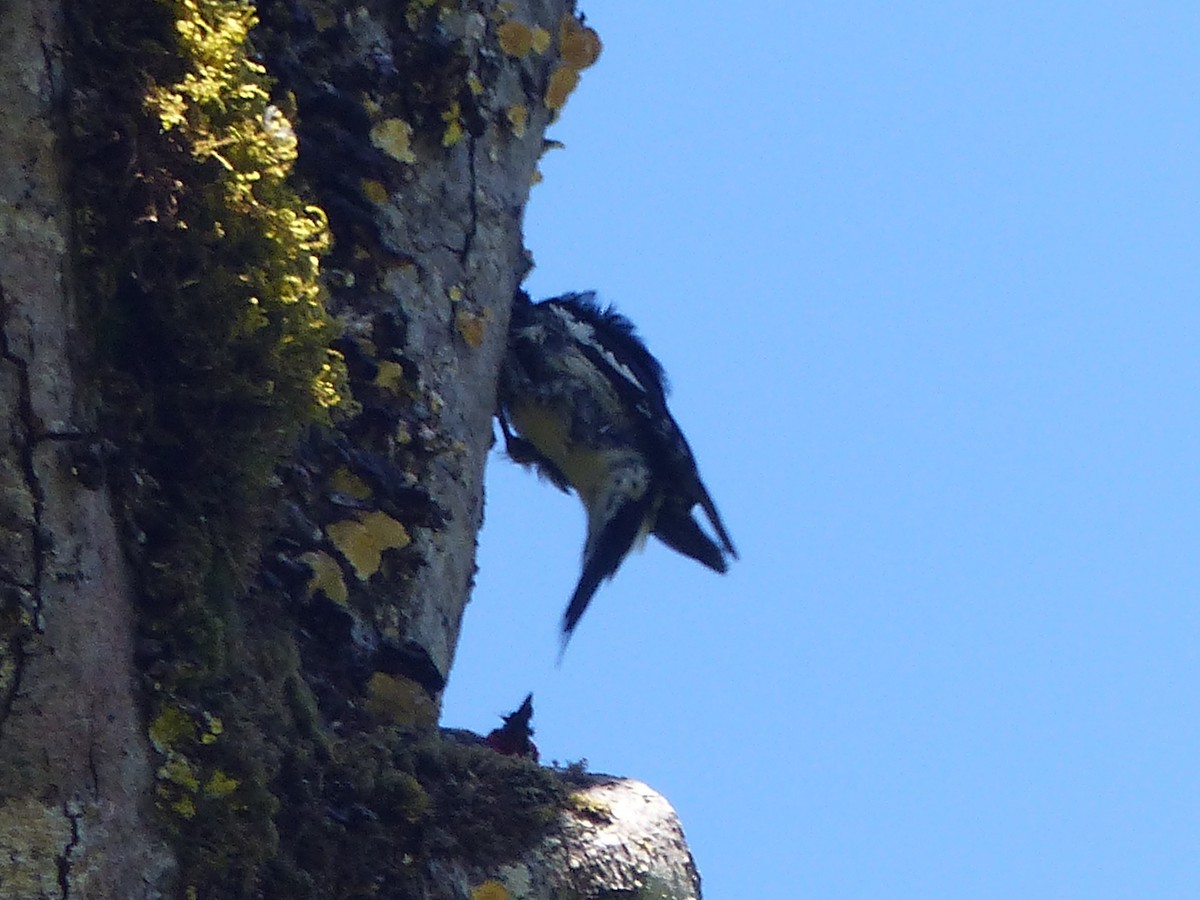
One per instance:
(220,108)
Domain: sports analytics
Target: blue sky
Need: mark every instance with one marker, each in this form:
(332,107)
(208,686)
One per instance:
(926,280)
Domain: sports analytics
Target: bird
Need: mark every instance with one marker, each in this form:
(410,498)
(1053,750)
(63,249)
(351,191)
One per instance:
(514,737)
(583,401)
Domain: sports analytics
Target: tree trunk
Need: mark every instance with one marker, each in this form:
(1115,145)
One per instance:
(75,774)
(242,477)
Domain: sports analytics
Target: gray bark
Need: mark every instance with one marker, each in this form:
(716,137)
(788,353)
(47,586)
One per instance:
(75,777)
(619,836)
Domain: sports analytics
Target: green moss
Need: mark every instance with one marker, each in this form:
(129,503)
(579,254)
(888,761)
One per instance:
(400,799)
(170,728)
(399,701)
(220,785)
(199,271)
(202,267)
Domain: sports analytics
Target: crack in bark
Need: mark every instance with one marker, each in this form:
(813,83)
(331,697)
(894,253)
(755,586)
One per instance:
(93,768)
(6,703)
(64,859)
(28,419)
(25,446)
(472,200)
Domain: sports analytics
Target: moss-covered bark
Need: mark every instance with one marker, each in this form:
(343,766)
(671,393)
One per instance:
(297,460)
(249,340)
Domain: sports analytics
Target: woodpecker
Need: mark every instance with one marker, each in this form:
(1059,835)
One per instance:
(584,402)
(515,736)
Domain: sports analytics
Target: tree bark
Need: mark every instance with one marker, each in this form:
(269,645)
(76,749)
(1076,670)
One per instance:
(75,780)
(233,567)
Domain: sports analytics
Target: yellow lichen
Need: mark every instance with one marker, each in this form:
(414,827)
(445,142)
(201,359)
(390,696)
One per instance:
(541,39)
(490,890)
(562,81)
(376,191)
(390,376)
(170,727)
(346,482)
(362,541)
(220,785)
(578,45)
(178,771)
(394,137)
(454,129)
(215,729)
(516,38)
(471,327)
(518,118)
(326,576)
(399,701)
